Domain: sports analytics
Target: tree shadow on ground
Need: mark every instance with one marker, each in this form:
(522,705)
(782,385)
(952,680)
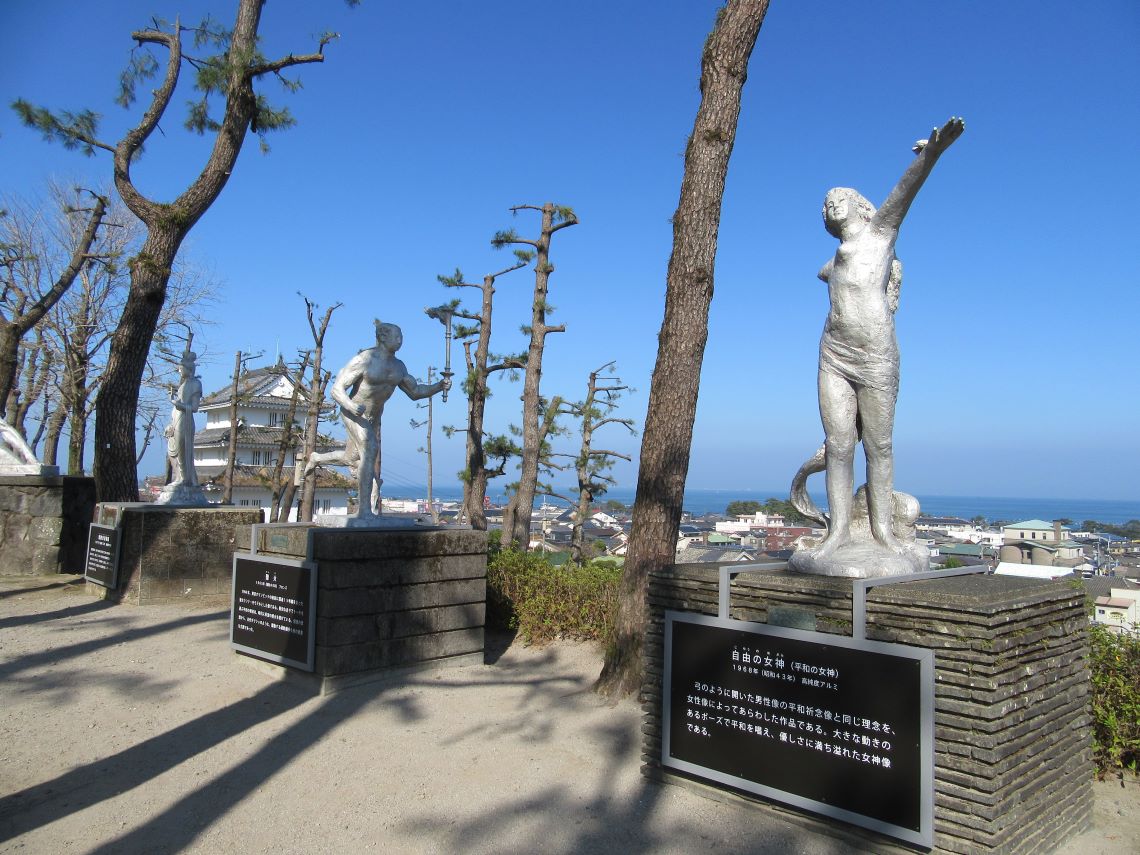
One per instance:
(20,588)
(608,818)
(195,810)
(602,815)
(90,608)
(53,655)
(61,687)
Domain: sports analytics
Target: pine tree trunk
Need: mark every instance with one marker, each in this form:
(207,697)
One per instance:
(668,432)
(520,509)
(475,484)
(116,405)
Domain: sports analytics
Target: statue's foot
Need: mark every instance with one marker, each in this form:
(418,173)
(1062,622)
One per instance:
(892,544)
(831,544)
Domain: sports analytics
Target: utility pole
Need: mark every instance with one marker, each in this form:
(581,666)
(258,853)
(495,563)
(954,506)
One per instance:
(426,449)
(240,359)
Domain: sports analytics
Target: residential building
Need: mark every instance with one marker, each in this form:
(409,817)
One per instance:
(263,396)
(1042,543)
(1119,611)
(965,554)
(746,522)
(948,525)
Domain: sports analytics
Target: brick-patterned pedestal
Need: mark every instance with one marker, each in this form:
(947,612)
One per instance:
(387,599)
(43,523)
(1013,765)
(168,553)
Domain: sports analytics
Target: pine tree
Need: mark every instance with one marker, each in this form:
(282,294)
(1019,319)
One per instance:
(229,72)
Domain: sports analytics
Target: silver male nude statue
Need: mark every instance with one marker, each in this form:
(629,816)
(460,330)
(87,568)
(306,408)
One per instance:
(870,534)
(361,389)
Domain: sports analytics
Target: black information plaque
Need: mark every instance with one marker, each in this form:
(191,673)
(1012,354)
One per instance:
(273,616)
(102,565)
(830,724)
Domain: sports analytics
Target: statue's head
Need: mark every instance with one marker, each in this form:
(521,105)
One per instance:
(389,335)
(188,362)
(841,205)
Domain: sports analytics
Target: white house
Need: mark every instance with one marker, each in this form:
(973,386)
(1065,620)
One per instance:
(747,522)
(1118,611)
(1042,543)
(263,396)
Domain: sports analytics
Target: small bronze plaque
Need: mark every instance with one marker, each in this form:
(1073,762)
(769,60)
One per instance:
(791,617)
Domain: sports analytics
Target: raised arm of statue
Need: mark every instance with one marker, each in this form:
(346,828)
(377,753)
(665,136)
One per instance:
(891,213)
(417,391)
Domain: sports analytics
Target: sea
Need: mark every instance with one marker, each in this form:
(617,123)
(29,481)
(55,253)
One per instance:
(993,508)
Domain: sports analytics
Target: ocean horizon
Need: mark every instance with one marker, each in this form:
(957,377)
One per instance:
(993,508)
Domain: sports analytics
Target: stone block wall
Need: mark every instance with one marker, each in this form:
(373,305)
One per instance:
(392,598)
(1013,763)
(43,523)
(168,553)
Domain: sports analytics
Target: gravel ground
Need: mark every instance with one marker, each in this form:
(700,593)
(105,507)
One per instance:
(138,730)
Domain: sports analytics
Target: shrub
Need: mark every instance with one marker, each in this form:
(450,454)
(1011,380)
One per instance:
(543,602)
(1115,666)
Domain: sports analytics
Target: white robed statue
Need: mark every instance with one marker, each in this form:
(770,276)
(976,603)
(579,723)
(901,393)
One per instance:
(183,488)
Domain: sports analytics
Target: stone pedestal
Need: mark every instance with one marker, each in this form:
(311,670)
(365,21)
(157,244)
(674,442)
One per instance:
(1013,763)
(43,523)
(169,553)
(388,600)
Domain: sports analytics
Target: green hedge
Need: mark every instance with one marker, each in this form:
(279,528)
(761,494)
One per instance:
(1115,666)
(525,592)
(543,602)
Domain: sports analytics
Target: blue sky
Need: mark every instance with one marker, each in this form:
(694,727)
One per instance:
(428,121)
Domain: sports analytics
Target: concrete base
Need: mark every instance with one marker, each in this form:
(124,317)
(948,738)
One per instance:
(43,523)
(863,559)
(36,470)
(168,553)
(182,495)
(318,685)
(1013,762)
(388,600)
(371,521)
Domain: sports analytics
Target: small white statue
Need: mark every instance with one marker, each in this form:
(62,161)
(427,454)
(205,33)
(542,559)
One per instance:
(16,458)
(183,488)
(361,389)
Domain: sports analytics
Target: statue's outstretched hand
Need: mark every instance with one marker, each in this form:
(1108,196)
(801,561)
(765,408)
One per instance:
(941,138)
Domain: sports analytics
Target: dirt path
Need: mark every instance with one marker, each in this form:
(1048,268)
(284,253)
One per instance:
(138,730)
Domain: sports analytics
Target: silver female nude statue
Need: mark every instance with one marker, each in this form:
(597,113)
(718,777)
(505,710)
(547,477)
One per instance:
(859,376)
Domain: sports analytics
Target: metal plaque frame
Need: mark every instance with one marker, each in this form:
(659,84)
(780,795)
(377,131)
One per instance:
(291,564)
(924,835)
(115,535)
